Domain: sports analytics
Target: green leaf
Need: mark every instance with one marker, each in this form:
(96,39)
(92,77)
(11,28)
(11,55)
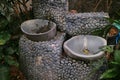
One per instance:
(115,63)
(97,32)
(117,56)
(9,51)
(4,72)
(106,30)
(1,56)
(10,60)
(110,20)
(2,42)
(108,48)
(1,53)
(111,73)
(4,37)
(3,22)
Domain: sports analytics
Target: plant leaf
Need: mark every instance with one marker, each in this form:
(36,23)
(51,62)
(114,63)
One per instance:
(115,63)
(9,51)
(4,37)
(97,32)
(111,73)
(10,60)
(107,48)
(3,22)
(110,20)
(4,72)
(1,56)
(1,53)
(2,42)
(117,56)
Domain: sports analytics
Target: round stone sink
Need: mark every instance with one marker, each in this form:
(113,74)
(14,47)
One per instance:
(38,29)
(85,47)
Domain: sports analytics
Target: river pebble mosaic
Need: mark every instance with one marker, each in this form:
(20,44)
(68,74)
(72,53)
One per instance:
(71,23)
(85,23)
(54,10)
(46,61)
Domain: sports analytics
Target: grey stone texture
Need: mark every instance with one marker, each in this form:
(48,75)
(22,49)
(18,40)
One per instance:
(85,23)
(73,24)
(55,10)
(46,61)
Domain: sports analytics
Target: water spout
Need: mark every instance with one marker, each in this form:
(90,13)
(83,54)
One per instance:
(85,47)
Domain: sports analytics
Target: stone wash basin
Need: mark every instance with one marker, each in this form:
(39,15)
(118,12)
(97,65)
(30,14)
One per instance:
(39,30)
(74,47)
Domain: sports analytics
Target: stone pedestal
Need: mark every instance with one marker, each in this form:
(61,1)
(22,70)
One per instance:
(46,61)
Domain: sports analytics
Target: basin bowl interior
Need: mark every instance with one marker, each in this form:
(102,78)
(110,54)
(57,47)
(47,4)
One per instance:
(74,47)
(39,29)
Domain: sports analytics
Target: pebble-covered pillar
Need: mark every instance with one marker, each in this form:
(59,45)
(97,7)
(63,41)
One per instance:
(54,9)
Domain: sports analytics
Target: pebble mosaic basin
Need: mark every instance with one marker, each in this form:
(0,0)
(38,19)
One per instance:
(75,47)
(39,30)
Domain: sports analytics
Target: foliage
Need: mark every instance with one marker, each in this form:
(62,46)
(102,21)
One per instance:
(4,72)
(7,52)
(9,7)
(101,32)
(113,72)
(4,37)
(108,49)
(11,16)
(114,64)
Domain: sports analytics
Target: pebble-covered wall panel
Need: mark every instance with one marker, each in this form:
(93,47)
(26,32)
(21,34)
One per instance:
(85,23)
